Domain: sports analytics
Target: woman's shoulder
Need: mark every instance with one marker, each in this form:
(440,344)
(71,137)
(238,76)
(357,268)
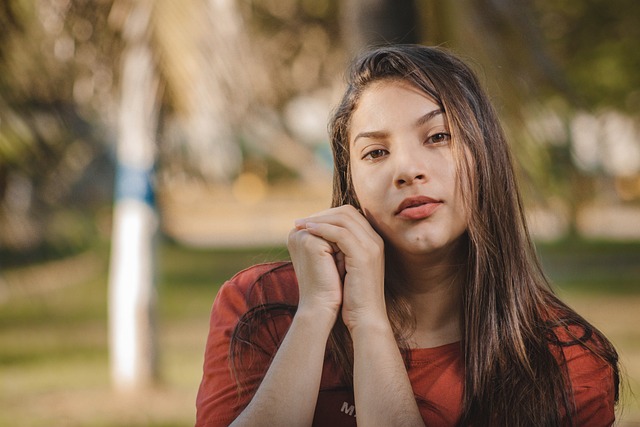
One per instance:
(590,363)
(588,359)
(584,349)
(256,272)
(579,346)
(266,283)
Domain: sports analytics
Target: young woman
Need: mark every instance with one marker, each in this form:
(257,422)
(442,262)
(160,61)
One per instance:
(418,298)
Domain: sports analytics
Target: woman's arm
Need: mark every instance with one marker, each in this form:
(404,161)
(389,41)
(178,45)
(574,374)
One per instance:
(383,393)
(289,391)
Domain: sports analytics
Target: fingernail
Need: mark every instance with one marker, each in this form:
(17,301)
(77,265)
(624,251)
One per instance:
(299,223)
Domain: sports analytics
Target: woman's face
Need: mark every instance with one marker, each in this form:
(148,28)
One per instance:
(403,169)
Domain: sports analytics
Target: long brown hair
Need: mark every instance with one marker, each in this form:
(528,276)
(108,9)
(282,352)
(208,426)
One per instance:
(510,315)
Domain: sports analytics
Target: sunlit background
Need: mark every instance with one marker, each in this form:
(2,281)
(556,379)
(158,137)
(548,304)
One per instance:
(151,149)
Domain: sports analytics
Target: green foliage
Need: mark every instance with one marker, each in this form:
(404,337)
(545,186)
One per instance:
(596,43)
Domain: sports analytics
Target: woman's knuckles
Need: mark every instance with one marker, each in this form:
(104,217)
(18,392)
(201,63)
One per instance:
(303,240)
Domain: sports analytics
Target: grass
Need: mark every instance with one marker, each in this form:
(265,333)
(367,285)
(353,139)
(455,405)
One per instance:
(53,342)
(596,267)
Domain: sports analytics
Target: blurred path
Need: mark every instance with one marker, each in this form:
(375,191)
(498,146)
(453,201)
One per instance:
(252,215)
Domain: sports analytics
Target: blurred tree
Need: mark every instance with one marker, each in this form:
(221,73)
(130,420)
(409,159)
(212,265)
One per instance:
(197,51)
(204,57)
(595,43)
(510,52)
(135,221)
(544,62)
(376,22)
(9,23)
(54,72)
(293,56)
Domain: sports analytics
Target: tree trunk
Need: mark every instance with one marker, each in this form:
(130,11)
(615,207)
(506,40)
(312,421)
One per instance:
(131,281)
(379,22)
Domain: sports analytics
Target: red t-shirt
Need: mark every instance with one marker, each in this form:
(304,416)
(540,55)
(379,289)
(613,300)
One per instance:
(436,374)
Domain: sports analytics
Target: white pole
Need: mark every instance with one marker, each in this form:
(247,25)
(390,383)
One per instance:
(131,277)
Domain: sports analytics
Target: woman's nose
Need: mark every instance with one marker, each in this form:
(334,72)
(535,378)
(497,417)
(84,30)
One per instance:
(410,168)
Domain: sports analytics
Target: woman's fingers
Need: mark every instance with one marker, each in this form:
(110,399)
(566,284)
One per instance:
(349,225)
(362,251)
(319,279)
(354,244)
(358,256)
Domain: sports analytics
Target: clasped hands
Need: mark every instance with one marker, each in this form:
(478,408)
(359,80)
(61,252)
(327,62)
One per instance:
(339,263)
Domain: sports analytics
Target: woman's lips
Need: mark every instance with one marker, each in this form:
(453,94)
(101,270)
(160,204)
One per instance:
(415,208)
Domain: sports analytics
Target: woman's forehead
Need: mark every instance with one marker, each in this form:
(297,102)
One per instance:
(398,83)
(388,103)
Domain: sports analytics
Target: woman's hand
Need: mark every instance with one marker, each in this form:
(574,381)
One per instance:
(315,263)
(357,252)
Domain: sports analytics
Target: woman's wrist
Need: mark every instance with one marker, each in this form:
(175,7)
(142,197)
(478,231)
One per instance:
(316,317)
(370,326)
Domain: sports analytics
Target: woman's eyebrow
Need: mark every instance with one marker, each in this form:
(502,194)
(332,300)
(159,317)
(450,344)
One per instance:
(429,116)
(376,134)
(381,134)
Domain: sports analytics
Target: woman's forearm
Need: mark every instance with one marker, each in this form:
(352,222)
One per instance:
(289,391)
(383,393)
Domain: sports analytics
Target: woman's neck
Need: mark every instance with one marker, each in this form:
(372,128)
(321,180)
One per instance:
(433,287)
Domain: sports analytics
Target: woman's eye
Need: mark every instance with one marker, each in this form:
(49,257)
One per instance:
(375,154)
(439,138)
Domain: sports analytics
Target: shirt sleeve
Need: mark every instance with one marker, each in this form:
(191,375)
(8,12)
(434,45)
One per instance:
(593,387)
(223,393)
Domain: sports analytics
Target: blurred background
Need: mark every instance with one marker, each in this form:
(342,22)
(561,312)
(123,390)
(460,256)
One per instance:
(151,149)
